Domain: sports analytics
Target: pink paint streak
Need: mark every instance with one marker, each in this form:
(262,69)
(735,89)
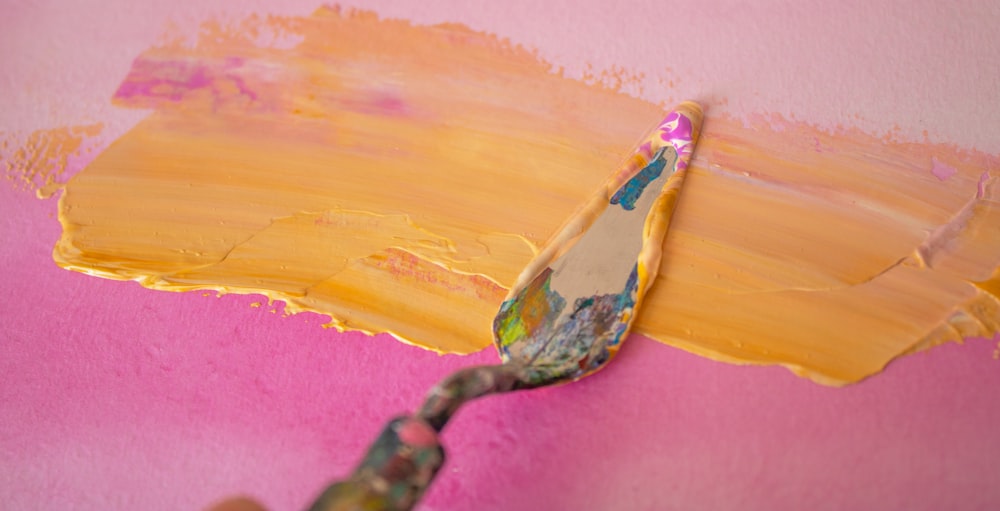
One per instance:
(981,185)
(175,80)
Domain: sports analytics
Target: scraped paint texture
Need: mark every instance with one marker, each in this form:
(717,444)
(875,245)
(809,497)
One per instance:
(38,162)
(399,177)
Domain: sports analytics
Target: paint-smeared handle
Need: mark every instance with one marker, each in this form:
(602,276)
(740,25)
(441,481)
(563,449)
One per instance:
(393,475)
(405,457)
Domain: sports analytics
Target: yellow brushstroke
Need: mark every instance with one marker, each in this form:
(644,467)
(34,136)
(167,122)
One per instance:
(398,177)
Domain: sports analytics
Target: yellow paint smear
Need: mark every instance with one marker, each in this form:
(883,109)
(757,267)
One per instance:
(399,177)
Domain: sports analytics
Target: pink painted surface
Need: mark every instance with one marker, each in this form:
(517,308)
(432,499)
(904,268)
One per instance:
(117,397)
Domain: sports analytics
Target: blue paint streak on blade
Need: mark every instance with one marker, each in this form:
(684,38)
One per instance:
(627,195)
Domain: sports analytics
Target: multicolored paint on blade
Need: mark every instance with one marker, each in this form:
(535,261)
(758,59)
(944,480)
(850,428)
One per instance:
(574,304)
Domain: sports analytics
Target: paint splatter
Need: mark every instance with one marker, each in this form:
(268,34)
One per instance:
(38,161)
(399,177)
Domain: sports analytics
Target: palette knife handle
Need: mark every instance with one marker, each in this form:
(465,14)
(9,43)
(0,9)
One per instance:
(394,473)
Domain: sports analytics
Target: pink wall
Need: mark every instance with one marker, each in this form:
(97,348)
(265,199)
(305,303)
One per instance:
(116,397)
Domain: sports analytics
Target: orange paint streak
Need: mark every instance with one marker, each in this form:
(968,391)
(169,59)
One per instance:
(398,178)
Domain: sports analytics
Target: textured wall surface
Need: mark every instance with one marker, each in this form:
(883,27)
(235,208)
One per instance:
(117,397)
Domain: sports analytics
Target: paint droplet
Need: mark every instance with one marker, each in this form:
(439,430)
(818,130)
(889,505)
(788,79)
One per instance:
(255,305)
(941,170)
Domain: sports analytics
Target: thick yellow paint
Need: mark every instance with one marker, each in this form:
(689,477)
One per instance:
(398,178)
